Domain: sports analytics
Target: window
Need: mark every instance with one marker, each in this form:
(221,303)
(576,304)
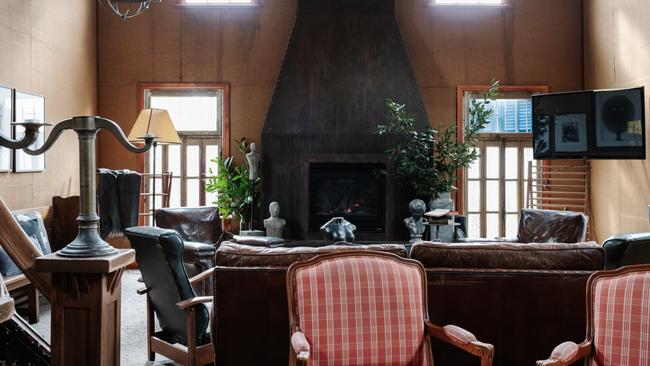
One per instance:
(467,2)
(494,187)
(200,115)
(218,2)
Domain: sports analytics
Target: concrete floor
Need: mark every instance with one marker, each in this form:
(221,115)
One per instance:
(134,324)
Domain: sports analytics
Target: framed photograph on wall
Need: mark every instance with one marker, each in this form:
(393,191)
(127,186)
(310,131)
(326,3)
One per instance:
(619,118)
(571,132)
(29,108)
(6,117)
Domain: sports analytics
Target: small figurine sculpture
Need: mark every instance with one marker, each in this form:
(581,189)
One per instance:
(253,160)
(274,225)
(415,223)
(338,229)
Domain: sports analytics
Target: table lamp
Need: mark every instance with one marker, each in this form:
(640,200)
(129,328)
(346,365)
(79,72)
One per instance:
(153,122)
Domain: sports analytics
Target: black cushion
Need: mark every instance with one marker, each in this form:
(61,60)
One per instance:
(159,253)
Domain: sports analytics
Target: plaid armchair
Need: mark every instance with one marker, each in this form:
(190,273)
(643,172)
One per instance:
(366,308)
(618,321)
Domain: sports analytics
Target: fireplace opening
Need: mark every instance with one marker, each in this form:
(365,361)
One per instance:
(354,191)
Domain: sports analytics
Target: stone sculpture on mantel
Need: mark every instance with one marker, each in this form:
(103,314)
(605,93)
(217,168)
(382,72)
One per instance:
(416,223)
(274,225)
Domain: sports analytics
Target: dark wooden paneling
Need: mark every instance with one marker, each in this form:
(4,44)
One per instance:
(330,96)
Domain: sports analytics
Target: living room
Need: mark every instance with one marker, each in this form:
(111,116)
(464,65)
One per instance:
(235,147)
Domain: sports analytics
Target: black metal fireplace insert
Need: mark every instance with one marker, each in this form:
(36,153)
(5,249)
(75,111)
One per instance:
(354,191)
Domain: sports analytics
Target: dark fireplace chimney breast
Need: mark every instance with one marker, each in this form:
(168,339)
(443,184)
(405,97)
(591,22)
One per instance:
(344,59)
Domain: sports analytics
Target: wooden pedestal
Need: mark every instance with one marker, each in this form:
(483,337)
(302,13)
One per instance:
(86,303)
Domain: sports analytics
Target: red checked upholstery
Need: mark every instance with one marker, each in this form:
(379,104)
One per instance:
(358,310)
(621,320)
(618,316)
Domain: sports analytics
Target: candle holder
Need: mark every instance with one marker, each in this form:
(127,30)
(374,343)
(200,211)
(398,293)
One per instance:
(88,243)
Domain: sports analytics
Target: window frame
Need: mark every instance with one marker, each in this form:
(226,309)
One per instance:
(434,4)
(190,137)
(460,95)
(252,4)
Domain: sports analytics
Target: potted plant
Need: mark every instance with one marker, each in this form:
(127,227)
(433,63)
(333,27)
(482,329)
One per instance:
(235,190)
(427,161)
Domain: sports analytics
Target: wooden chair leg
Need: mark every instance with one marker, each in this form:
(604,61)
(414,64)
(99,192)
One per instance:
(150,329)
(191,337)
(33,306)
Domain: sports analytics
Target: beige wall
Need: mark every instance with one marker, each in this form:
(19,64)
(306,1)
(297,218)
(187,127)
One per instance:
(245,47)
(617,54)
(48,47)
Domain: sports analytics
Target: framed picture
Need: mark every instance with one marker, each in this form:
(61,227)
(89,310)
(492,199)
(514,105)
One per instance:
(29,108)
(619,118)
(571,132)
(6,117)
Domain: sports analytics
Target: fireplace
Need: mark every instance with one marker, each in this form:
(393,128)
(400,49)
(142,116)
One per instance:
(354,191)
(344,58)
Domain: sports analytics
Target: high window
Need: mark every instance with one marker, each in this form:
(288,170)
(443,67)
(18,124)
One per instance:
(219,2)
(467,2)
(200,115)
(494,187)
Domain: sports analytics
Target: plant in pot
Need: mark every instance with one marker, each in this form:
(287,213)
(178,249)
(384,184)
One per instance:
(427,161)
(236,192)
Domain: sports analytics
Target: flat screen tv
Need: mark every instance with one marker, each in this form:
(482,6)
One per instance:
(593,124)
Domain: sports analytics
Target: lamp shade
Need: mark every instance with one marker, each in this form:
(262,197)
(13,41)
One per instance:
(156,123)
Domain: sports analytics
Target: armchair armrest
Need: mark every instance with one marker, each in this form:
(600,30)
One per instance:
(462,339)
(186,304)
(201,276)
(567,353)
(300,347)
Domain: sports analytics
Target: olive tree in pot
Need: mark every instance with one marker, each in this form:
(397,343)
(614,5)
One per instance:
(236,192)
(427,161)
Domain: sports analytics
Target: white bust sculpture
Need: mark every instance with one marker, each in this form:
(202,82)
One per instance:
(274,225)
(253,160)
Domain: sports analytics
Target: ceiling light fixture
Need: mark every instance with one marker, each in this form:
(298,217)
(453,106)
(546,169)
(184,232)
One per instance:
(127,9)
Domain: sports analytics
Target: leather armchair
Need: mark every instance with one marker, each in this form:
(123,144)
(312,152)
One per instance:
(545,226)
(200,229)
(182,315)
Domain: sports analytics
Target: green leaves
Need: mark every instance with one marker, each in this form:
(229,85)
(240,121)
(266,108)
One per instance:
(428,161)
(235,190)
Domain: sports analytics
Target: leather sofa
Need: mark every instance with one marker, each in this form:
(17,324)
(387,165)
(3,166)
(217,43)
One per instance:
(200,229)
(523,298)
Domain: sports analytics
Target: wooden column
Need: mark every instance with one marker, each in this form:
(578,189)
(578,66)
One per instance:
(85,300)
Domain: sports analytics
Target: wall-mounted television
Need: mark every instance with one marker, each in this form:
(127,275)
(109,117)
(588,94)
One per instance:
(593,124)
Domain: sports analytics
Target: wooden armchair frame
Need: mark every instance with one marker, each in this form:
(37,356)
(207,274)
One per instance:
(569,352)
(193,354)
(456,336)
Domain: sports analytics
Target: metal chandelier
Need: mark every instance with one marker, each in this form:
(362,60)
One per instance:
(127,9)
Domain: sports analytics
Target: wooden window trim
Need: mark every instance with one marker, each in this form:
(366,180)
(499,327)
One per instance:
(225,133)
(460,93)
(184,5)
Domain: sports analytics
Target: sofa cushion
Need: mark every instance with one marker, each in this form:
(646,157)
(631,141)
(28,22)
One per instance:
(32,224)
(532,256)
(235,255)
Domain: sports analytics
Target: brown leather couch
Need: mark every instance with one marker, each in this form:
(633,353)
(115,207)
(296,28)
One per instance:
(522,298)
(251,324)
(200,229)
